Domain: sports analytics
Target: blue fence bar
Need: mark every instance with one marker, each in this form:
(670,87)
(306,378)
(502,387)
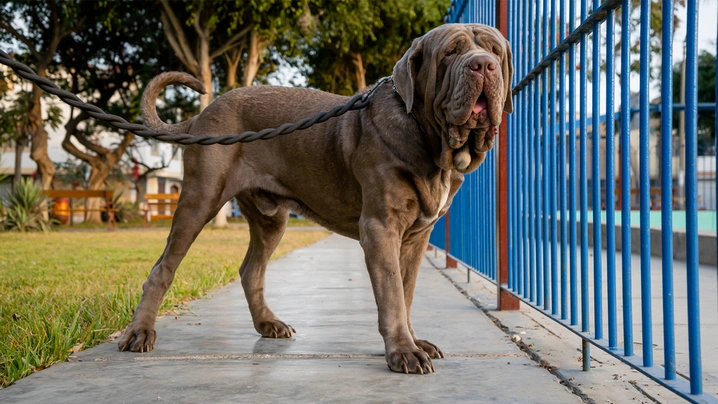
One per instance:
(547,176)
(596,183)
(545,164)
(537,164)
(610,194)
(583,155)
(645,183)
(572,167)
(626,178)
(669,352)
(691,130)
(562,165)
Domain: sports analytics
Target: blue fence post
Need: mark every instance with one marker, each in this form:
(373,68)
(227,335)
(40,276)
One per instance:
(626,249)
(572,166)
(583,154)
(610,185)
(562,165)
(691,122)
(596,185)
(669,353)
(645,185)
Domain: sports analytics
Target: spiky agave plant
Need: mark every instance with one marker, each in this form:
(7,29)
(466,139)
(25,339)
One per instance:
(24,209)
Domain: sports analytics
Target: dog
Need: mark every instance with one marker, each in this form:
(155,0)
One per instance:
(382,175)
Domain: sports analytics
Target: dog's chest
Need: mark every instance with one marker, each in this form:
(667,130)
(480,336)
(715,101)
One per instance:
(443,194)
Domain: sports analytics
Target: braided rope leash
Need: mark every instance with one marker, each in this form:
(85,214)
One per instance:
(358,101)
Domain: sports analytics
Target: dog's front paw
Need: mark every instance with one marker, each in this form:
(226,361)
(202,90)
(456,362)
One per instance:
(137,338)
(432,350)
(275,329)
(417,362)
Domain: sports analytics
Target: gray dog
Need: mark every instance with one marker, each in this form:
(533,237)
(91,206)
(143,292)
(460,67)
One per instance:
(382,175)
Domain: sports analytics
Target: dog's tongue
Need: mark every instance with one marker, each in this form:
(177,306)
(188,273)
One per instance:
(480,105)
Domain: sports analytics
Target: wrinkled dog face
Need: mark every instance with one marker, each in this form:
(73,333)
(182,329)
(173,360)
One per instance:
(458,76)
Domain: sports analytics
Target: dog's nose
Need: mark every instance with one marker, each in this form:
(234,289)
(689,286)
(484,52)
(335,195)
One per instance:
(482,64)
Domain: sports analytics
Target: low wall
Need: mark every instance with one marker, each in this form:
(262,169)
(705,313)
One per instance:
(707,247)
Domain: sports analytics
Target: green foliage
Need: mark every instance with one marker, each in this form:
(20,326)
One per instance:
(126,211)
(656,25)
(15,117)
(24,211)
(706,93)
(379,32)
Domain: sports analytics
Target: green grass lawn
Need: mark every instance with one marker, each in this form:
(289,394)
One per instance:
(61,292)
(292,222)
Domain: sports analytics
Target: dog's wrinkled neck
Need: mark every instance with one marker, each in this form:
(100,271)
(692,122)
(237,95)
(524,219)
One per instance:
(410,112)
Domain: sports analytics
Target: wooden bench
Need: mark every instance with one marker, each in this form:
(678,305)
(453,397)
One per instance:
(106,195)
(163,204)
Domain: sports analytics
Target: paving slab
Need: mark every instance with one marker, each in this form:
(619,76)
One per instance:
(210,352)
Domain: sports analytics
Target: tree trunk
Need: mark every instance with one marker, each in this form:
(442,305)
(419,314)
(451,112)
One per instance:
(35,130)
(205,73)
(233,57)
(20,144)
(98,175)
(359,71)
(254,57)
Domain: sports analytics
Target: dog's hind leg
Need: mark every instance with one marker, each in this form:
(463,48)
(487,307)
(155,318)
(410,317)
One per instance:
(200,200)
(267,222)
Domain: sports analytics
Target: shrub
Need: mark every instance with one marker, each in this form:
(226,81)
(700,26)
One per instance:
(24,210)
(126,211)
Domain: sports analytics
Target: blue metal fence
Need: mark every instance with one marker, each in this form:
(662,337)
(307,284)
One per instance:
(549,178)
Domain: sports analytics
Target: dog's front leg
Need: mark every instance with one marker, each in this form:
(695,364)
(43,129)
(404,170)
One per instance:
(412,253)
(382,243)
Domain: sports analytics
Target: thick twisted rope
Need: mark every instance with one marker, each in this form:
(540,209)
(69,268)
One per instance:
(358,101)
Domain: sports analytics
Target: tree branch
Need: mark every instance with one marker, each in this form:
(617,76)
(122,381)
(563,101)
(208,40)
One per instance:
(120,149)
(20,37)
(203,33)
(176,46)
(232,42)
(180,38)
(70,129)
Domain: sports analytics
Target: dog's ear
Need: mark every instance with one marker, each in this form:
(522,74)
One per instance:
(507,69)
(405,71)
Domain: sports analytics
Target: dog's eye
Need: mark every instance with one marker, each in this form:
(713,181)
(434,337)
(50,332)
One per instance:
(496,50)
(453,52)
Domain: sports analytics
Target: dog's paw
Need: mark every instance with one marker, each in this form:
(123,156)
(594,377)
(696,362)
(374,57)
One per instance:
(275,329)
(432,350)
(417,362)
(137,338)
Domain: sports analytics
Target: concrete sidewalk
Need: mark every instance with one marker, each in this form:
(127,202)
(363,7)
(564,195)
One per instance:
(211,352)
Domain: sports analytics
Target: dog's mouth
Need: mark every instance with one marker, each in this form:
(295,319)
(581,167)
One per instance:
(481,108)
(476,130)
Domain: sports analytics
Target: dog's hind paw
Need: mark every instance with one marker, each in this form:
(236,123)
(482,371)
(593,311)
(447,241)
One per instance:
(275,329)
(137,339)
(410,362)
(432,350)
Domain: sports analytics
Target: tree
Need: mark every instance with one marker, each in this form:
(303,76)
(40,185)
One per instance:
(359,41)
(108,68)
(141,169)
(46,24)
(199,19)
(206,29)
(706,93)
(15,117)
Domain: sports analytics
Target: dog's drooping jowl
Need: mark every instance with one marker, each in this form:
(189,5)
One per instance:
(382,175)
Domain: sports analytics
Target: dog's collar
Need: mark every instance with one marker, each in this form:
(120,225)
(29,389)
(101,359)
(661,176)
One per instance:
(410,112)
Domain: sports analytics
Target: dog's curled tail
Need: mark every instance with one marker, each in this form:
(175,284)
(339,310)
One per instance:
(149,98)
